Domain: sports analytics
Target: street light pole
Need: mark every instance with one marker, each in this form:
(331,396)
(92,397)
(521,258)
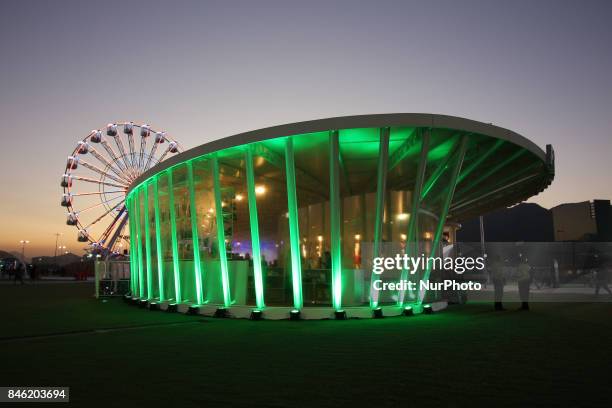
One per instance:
(57,235)
(23,244)
(482,237)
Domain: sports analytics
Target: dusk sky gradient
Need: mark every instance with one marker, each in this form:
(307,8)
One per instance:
(204,70)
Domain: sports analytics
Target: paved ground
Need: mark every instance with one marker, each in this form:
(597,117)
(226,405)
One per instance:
(110,354)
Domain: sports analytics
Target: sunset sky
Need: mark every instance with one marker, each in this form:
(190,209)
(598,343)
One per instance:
(204,70)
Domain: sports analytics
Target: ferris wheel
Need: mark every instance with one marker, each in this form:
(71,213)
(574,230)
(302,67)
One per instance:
(97,176)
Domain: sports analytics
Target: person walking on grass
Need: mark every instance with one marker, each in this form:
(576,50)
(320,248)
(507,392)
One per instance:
(524,282)
(19,271)
(599,269)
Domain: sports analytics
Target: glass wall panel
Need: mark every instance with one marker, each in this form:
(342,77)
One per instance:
(235,206)
(361,156)
(358,160)
(212,284)
(166,237)
(154,280)
(141,248)
(311,156)
(133,250)
(184,233)
(272,209)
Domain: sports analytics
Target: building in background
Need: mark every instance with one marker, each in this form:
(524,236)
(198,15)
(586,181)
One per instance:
(286,218)
(526,222)
(584,221)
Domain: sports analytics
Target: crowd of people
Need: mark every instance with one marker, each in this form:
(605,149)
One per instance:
(16,270)
(525,275)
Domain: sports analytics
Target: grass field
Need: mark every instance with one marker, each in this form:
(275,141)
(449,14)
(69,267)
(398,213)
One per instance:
(112,354)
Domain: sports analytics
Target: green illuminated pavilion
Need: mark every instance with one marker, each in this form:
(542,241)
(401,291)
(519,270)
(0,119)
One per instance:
(289,217)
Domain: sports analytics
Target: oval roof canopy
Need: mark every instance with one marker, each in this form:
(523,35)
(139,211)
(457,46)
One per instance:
(495,166)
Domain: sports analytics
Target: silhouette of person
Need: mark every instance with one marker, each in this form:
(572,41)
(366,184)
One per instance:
(524,282)
(19,270)
(327,263)
(496,272)
(33,272)
(601,273)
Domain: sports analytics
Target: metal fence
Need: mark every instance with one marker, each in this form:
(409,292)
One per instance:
(112,278)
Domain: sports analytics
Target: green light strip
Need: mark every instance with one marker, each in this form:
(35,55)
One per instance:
(444,213)
(175,255)
(194,233)
(254,222)
(294,229)
(431,181)
(141,287)
(502,182)
(133,266)
(493,170)
(148,242)
(411,243)
(401,152)
(334,207)
(220,231)
(158,240)
(381,183)
(468,170)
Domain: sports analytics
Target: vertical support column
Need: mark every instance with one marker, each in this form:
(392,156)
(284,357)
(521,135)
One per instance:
(254,223)
(381,180)
(452,183)
(334,208)
(158,241)
(294,229)
(175,255)
(148,242)
(413,225)
(221,231)
(194,234)
(97,277)
(141,287)
(133,252)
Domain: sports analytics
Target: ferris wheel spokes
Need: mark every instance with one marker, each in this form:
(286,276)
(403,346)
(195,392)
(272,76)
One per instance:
(98,170)
(111,130)
(151,154)
(96,193)
(94,222)
(104,160)
(90,180)
(73,216)
(118,236)
(111,153)
(122,214)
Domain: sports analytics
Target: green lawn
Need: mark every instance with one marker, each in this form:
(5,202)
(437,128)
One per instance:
(112,354)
